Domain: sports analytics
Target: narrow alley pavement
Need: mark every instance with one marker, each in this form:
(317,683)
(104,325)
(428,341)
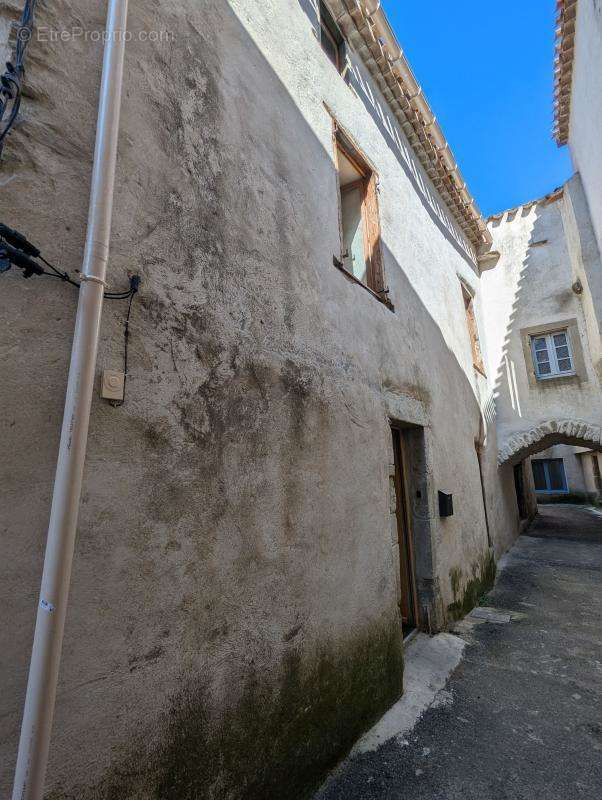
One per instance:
(521,716)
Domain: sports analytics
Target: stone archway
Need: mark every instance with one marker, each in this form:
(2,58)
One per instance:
(556,431)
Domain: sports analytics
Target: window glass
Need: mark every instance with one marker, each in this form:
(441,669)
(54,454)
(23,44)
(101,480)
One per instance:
(539,476)
(556,473)
(549,475)
(552,354)
(353,235)
(361,254)
(329,45)
(562,352)
(330,37)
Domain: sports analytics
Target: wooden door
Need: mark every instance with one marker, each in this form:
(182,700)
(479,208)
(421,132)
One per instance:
(408,600)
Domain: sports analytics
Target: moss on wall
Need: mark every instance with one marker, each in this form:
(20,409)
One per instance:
(278,740)
(467,596)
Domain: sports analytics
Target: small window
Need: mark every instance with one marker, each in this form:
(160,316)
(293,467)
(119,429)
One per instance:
(549,475)
(473,331)
(361,254)
(552,355)
(331,39)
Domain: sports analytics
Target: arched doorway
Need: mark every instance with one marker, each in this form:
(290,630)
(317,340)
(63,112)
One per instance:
(521,444)
(518,449)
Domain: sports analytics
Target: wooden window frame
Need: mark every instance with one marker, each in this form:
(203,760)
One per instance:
(371,233)
(473,330)
(330,29)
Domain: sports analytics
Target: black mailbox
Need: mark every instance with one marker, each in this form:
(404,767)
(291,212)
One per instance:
(446,504)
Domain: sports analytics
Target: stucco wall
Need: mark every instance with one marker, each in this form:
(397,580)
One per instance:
(585,128)
(234,581)
(545,247)
(592,485)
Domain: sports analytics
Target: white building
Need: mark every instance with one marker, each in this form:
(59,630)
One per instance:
(542,318)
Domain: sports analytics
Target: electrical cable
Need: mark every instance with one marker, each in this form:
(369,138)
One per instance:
(18,250)
(11,81)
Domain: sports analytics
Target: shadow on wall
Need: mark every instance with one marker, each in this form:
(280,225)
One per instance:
(362,83)
(226,329)
(505,390)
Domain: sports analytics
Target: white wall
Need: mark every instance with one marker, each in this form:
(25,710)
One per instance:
(591,483)
(545,247)
(585,131)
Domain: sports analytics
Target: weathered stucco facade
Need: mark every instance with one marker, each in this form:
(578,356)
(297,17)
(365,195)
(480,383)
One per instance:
(547,279)
(234,619)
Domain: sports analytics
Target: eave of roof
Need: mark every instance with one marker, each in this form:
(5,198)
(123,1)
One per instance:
(566,14)
(364,24)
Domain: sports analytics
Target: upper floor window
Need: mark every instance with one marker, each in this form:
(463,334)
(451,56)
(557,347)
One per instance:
(552,355)
(361,254)
(473,331)
(331,38)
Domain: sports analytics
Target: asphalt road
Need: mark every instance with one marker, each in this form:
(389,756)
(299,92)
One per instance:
(521,717)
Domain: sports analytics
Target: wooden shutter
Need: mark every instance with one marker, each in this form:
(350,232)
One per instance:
(374,258)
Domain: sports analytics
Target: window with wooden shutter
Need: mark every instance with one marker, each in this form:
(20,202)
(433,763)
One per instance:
(473,331)
(361,250)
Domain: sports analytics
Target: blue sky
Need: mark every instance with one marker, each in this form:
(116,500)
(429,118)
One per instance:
(487,71)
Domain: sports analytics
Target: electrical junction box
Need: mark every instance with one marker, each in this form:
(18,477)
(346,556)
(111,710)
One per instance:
(112,385)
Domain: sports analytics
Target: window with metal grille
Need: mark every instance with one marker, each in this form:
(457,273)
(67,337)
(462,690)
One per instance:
(552,356)
(549,475)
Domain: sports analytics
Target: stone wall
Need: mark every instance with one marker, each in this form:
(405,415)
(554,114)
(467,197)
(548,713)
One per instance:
(233,619)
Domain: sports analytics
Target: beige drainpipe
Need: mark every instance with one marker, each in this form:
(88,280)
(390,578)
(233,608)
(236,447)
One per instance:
(48,638)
